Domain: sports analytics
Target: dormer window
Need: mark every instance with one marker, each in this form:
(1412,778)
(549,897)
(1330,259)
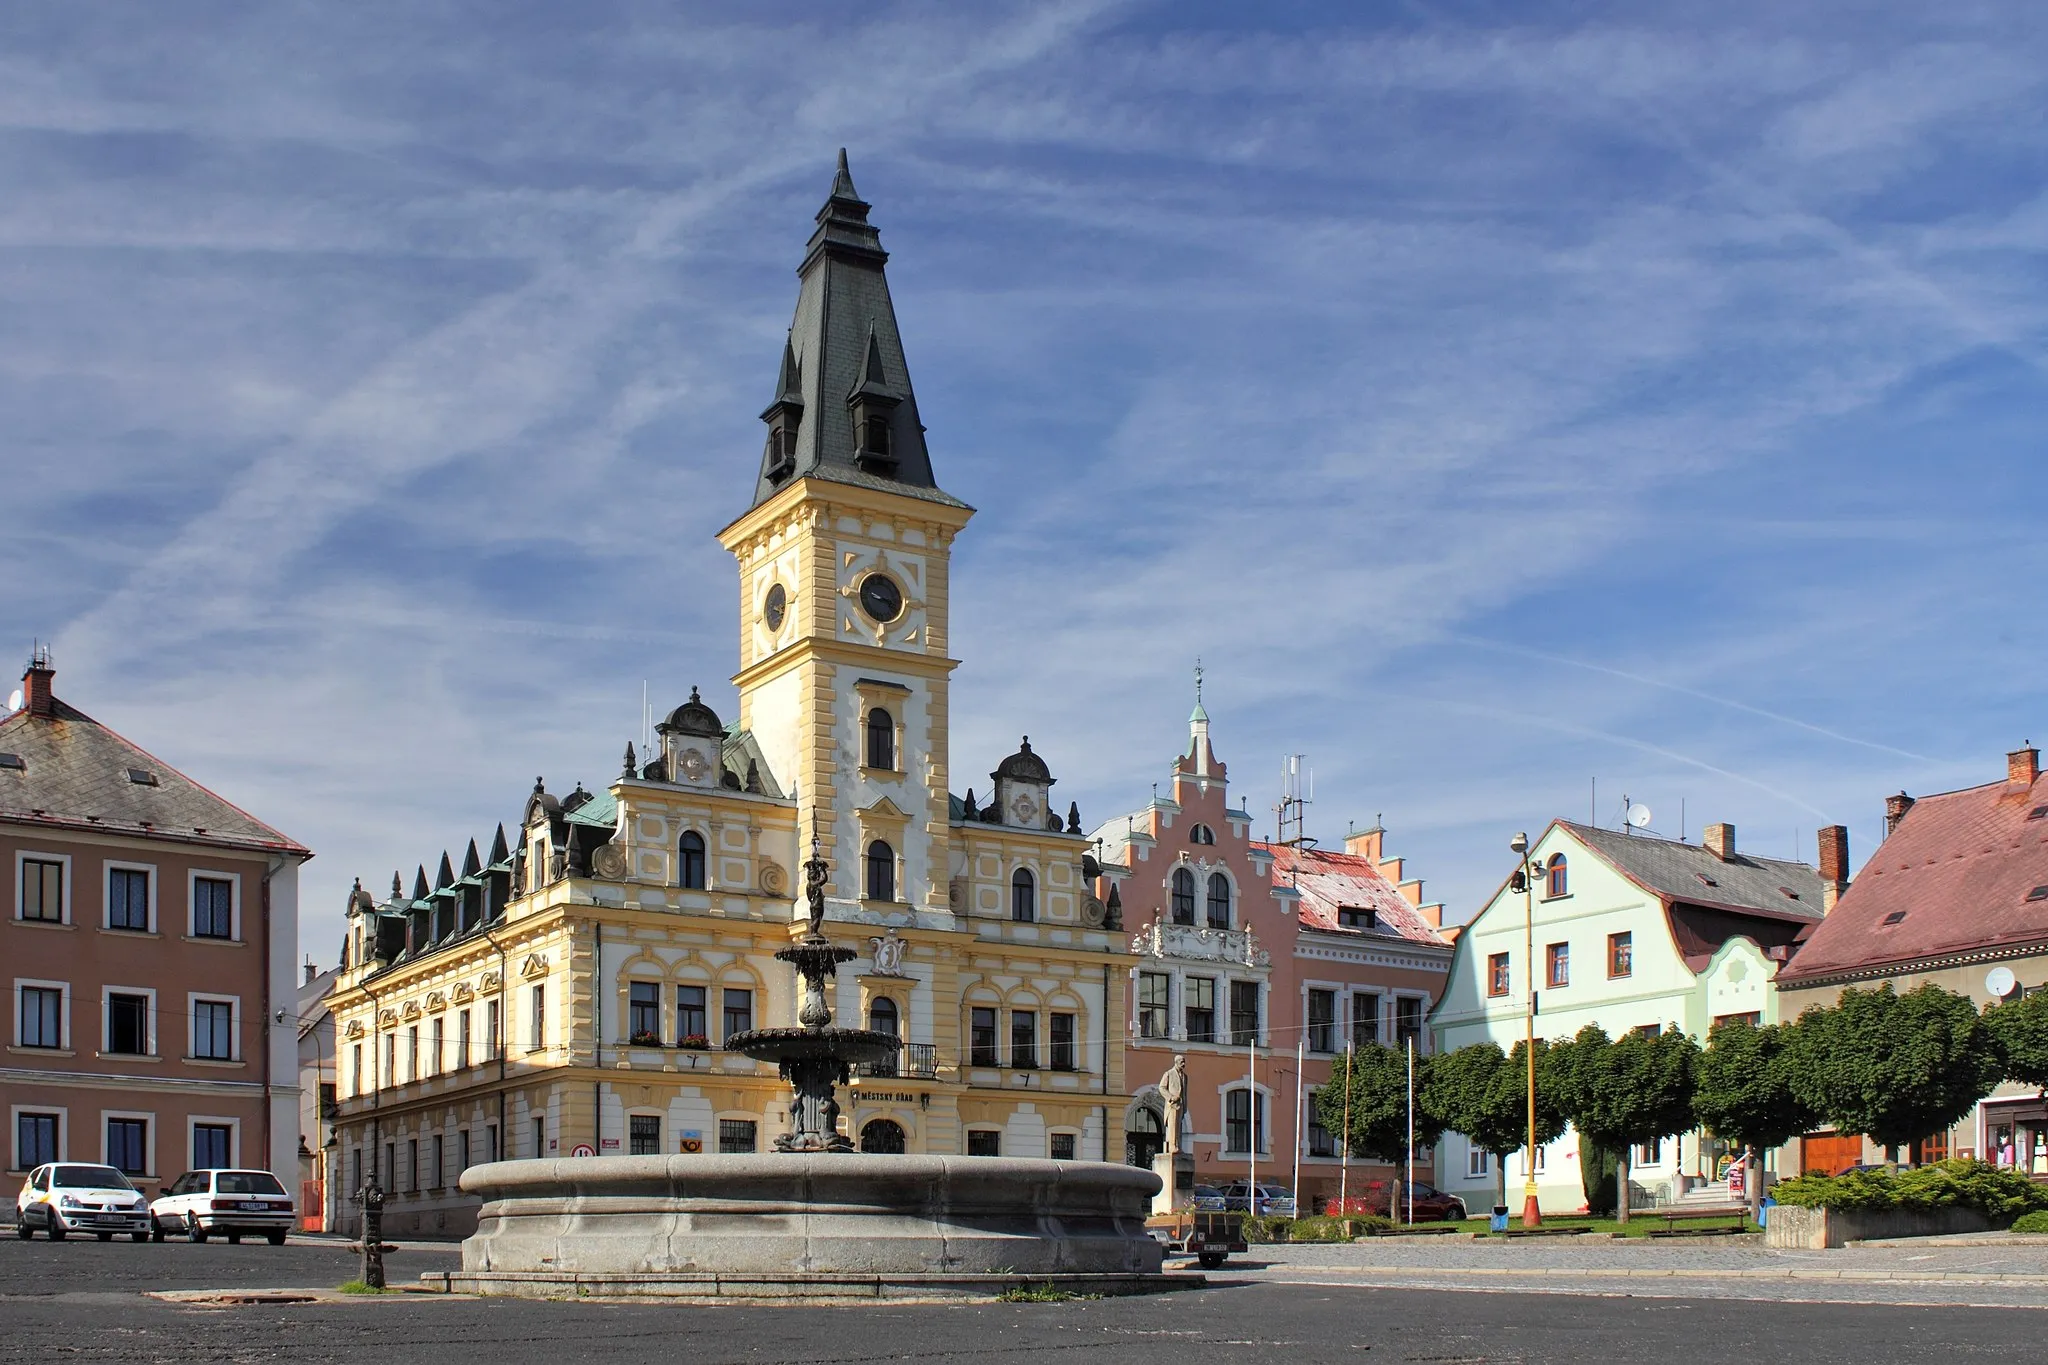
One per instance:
(782,450)
(875,439)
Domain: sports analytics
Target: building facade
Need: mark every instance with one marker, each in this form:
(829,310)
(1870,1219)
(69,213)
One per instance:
(1631,932)
(148,952)
(569,992)
(1956,895)
(1258,963)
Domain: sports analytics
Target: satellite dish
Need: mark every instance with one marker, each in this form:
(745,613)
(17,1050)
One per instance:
(1999,982)
(14,700)
(1639,816)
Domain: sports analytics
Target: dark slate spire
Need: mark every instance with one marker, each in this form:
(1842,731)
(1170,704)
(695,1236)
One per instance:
(632,761)
(1073,817)
(446,876)
(397,886)
(471,863)
(844,396)
(420,889)
(499,852)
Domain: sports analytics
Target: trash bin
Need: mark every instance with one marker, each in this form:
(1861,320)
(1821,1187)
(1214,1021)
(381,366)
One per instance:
(1499,1221)
(1763,1211)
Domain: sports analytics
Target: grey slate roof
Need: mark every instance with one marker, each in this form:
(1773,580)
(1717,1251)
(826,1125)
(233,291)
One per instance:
(843,313)
(75,773)
(1747,884)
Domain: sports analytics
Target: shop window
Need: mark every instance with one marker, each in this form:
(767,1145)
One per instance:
(984,1142)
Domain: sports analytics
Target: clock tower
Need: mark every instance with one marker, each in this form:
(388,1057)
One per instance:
(843,574)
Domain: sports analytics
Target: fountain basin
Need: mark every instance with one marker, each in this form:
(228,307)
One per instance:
(808,1226)
(850,1045)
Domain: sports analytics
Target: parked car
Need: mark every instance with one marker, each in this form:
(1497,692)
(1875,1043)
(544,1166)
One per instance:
(201,1203)
(1272,1199)
(71,1196)
(1429,1204)
(1207,1197)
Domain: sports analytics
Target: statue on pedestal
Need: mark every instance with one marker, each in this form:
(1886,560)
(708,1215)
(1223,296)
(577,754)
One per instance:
(1173,1089)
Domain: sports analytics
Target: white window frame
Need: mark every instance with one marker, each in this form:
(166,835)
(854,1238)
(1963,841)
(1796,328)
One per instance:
(150,1131)
(234,1127)
(23,983)
(14,1114)
(107,994)
(1478,1162)
(537,1017)
(1262,1107)
(24,855)
(107,870)
(193,1000)
(234,881)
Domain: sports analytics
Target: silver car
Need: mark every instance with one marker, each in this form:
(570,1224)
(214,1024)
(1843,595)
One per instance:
(229,1202)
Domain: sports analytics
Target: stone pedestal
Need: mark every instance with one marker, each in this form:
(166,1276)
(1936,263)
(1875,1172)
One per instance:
(1176,1183)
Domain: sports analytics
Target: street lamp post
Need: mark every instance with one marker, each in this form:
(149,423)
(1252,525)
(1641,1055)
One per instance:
(1532,1211)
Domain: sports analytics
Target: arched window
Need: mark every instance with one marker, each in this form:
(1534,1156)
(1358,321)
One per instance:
(882,1136)
(881,872)
(1183,896)
(690,860)
(881,740)
(1201,834)
(1219,901)
(882,1017)
(1023,896)
(1558,881)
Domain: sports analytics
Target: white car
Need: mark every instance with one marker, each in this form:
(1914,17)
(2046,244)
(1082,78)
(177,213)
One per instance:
(200,1203)
(71,1196)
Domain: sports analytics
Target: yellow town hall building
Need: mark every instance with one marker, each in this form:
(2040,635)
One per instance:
(567,994)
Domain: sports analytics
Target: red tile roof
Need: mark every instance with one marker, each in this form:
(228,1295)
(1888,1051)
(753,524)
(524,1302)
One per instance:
(1331,881)
(1952,880)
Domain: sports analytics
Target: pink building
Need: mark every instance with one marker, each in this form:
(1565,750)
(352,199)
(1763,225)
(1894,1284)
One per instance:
(1260,963)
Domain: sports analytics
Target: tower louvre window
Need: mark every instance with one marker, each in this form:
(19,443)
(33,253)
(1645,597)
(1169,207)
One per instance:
(881,740)
(875,437)
(881,872)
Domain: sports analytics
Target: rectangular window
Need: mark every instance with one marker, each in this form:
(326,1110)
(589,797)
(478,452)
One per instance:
(1244,1121)
(1198,999)
(42,890)
(643,1013)
(412,1053)
(691,1028)
(213,1030)
(390,1076)
(540,1137)
(1152,996)
(538,1019)
(981,1038)
(736,1136)
(35,1140)
(1476,1165)
(739,1010)
(435,1164)
(1062,1042)
(984,1142)
(1497,977)
(387,1178)
(490,1142)
(128,1024)
(494,1038)
(1365,1020)
(461,1039)
(1321,1142)
(1408,1020)
(1024,1039)
(213,907)
(1557,965)
(461,1150)
(210,1144)
(643,1134)
(1621,954)
(128,1146)
(412,1165)
(1244,1013)
(1062,1147)
(1650,1153)
(42,1017)
(1322,1021)
(355,1166)
(355,1071)
(128,898)
(437,1044)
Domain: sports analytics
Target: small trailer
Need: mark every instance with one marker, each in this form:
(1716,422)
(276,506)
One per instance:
(1208,1235)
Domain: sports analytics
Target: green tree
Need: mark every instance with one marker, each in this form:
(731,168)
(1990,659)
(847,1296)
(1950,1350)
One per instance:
(1483,1093)
(2020,1029)
(1894,1067)
(1621,1092)
(1745,1093)
(1376,1081)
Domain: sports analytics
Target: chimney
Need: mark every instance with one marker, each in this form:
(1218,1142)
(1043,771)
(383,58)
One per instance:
(1834,865)
(2022,766)
(37,698)
(1895,808)
(1368,844)
(1720,841)
(311,972)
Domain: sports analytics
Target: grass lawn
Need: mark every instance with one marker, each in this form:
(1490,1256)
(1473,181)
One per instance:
(1639,1225)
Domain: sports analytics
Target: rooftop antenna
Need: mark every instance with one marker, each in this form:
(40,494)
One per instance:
(1635,815)
(1297,792)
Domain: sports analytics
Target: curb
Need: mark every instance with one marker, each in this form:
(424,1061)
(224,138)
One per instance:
(1634,1273)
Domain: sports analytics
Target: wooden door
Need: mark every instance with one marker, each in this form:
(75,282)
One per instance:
(1829,1153)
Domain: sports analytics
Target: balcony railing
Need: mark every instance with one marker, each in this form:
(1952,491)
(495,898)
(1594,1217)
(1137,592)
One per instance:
(920,1060)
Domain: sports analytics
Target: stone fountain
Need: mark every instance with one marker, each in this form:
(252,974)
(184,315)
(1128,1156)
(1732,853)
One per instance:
(814,1219)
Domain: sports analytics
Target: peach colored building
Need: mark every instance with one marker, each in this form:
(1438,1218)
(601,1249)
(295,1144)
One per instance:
(147,952)
(1260,962)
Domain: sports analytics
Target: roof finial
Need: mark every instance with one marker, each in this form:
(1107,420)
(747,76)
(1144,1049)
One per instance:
(1198,680)
(842,183)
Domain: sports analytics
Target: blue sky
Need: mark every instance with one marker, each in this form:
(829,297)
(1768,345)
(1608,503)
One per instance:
(1495,396)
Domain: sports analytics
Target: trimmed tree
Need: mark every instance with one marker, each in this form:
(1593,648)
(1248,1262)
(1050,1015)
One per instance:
(1745,1094)
(2020,1029)
(1483,1093)
(1894,1067)
(1376,1080)
(1631,1090)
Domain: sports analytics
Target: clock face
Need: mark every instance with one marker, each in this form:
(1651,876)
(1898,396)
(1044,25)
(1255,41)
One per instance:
(774,607)
(880,598)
